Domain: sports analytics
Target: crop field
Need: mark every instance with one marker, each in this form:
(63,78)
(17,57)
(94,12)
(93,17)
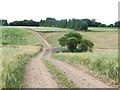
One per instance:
(19,45)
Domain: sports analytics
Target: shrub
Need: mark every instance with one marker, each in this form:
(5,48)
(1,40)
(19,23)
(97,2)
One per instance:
(86,45)
(74,42)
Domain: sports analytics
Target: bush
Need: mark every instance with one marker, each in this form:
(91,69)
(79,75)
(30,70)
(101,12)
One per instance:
(74,42)
(86,45)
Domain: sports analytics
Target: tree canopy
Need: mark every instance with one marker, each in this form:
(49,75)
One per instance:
(75,42)
(3,22)
(117,24)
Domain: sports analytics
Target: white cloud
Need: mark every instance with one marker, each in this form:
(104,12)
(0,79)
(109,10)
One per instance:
(105,11)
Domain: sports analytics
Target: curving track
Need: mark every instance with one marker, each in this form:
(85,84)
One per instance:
(37,75)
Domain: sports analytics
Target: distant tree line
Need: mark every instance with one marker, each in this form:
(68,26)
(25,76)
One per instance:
(3,22)
(76,24)
(117,24)
(24,23)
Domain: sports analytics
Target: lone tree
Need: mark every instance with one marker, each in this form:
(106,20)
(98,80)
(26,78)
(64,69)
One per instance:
(75,43)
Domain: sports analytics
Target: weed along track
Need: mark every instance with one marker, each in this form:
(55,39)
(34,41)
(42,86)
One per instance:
(37,74)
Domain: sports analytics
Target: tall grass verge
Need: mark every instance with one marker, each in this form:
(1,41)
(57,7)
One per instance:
(19,46)
(106,64)
(14,61)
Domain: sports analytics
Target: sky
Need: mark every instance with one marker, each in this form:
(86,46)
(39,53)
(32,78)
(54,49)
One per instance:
(105,11)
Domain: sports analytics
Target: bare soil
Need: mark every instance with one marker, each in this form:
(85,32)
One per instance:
(37,75)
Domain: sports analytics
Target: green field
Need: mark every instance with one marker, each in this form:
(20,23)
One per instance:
(19,46)
(103,29)
(18,36)
(51,29)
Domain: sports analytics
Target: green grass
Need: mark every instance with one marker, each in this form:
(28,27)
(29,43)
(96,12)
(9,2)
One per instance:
(51,29)
(18,36)
(0,67)
(0,57)
(62,80)
(19,46)
(102,29)
(52,38)
(104,63)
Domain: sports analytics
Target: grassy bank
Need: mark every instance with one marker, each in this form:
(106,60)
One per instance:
(14,60)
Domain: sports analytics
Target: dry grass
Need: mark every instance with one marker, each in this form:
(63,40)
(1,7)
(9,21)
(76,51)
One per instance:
(14,60)
(104,40)
(52,38)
